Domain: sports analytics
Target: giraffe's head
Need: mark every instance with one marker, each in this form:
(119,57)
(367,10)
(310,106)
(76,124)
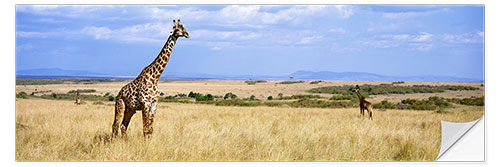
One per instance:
(355,89)
(178,30)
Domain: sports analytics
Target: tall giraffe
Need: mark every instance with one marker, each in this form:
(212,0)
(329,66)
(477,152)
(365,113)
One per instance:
(142,93)
(364,104)
(78,100)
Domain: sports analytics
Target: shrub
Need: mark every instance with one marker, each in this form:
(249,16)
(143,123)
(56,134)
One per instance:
(472,101)
(235,102)
(82,91)
(280,95)
(315,82)
(181,95)
(269,97)
(54,95)
(250,82)
(161,93)
(194,95)
(390,89)
(344,97)
(23,95)
(230,96)
(291,82)
(300,97)
(320,103)
(111,98)
(384,105)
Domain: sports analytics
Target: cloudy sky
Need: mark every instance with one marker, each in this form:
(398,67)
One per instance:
(255,40)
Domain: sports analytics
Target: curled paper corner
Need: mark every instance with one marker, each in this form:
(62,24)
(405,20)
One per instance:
(453,148)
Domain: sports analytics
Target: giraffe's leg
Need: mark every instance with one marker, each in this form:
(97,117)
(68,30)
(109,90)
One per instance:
(146,122)
(119,110)
(126,120)
(148,115)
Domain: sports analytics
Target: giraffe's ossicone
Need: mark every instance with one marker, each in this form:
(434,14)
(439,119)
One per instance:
(142,93)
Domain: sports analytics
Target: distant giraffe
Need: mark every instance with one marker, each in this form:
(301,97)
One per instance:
(78,100)
(142,93)
(364,104)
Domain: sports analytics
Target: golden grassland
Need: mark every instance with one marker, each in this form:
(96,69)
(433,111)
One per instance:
(59,130)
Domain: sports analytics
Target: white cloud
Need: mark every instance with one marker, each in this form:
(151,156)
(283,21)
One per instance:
(345,11)
(32,34)
(422,47)
(337,30)
(97,32)
(309,40)
(215,48)
(477,37)
(423,37)
(25,47)
(225,35)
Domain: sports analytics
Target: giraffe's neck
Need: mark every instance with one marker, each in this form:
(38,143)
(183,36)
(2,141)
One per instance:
(158,65)
(359,96)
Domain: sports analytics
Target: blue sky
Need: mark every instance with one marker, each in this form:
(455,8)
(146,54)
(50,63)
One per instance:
(398,40)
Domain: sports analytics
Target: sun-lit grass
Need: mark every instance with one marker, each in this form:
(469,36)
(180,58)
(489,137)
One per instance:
(58,130)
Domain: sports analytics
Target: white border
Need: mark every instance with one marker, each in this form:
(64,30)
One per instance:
(7,121)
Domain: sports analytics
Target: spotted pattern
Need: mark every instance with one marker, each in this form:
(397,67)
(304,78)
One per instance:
(142,93)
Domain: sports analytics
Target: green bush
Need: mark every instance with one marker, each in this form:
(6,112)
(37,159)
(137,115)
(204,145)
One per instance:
(300,97)
(254,82)
(82,91)
(22,95)
(230,96)
(111,98)
(315,82)
(306,103)
(431,103)
(472,101)
(290,82)
(235,102)
(344,97)
(384,105)
(390,89)
(269,97)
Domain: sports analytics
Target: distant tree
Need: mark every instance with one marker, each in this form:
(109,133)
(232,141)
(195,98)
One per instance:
(280,95)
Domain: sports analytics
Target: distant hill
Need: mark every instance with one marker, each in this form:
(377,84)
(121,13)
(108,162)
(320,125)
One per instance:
(57,72)
(298,75)
(359,76)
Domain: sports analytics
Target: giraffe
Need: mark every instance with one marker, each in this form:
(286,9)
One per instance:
(78,100)
(364,104)
(142,93)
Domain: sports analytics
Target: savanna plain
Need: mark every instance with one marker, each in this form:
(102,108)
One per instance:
(295,124)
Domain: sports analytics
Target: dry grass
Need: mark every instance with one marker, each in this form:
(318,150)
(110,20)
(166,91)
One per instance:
(58,130)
